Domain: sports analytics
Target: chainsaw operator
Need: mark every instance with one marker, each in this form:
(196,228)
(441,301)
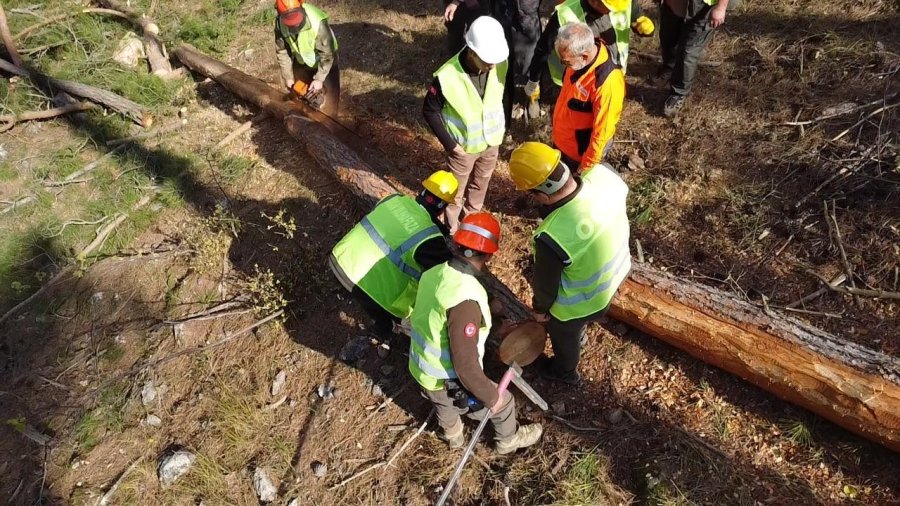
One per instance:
(382,258)
(307,54)
(581,253)
(450,322)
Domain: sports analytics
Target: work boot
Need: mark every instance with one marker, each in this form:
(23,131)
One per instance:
(455,437)
(548,371)
(525,436)
(673,104)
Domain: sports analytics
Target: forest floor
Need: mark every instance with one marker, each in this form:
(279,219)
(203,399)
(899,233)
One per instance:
(120,363)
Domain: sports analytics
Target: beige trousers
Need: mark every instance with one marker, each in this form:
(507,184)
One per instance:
(473,172)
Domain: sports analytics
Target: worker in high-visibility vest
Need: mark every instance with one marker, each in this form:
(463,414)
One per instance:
(307,54)
(466,109)
(450,322)
(581,252)
(685,30)
(590,101)
(611,21)
(382,258)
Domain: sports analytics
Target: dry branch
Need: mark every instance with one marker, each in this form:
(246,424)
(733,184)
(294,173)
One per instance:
(862,292)
(106,498)
(240,130)
(25,33)
(171,127)
(853,386)
(108,229)
(840,278)
(8,40)
(12,119)
(838,114)
(100,96)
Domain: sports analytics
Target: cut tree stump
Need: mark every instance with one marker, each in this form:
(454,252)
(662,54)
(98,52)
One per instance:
(848,384)
(157,56)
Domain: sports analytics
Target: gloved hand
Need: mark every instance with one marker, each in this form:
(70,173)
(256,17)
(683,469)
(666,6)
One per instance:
(643,26)
(532,90)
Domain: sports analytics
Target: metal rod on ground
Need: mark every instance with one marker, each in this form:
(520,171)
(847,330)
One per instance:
(501,389)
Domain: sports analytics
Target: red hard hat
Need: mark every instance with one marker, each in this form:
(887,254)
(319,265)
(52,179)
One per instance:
(283,6)
(479,232)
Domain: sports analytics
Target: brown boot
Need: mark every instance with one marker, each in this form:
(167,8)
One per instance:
(455,436)
(524,437)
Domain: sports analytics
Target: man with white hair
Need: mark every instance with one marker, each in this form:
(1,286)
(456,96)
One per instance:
(590,101)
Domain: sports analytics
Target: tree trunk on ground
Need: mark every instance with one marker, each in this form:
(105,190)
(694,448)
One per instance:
(100,96)
(854,387)
(8,40)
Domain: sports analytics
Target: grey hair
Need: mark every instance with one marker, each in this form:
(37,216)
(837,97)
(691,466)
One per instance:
(576,37)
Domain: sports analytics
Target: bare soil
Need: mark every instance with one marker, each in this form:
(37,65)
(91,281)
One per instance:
(709,185)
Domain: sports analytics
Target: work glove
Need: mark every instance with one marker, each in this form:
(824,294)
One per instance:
(532,89)
(643,26)
(527,106)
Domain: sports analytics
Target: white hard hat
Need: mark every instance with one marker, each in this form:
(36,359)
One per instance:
(485,37)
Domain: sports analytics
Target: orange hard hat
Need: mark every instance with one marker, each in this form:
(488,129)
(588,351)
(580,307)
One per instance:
(479,232)
(283,6)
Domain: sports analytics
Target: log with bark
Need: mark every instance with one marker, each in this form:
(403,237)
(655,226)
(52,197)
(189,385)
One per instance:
(853,386)
(106,98)
(157,56)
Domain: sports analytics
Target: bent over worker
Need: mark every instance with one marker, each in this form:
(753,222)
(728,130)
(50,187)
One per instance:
(590,102)
(382,258)
(581,253)
(451,320)
(307,54)
(465,108)
(611,21)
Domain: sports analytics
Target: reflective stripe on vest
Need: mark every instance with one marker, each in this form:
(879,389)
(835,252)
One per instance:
(378,254)
(441,288)
(475,123)
(573,12)
(592,229)
(303,45)
(395,255)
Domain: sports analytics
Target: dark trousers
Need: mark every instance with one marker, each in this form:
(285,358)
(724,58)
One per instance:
(522,26)
(682,42)
(464,16)
(331,86)
(384,321)
(565,337)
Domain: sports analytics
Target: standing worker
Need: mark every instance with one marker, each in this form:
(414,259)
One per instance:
(685,30)
(581,253)
(611,21)
(382,258)
(465,108)
(451,320)
(590,101)
(307,54)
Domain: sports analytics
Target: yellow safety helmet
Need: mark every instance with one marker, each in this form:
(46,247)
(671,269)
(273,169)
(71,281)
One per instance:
(443,185)
(617,5)
(531,164)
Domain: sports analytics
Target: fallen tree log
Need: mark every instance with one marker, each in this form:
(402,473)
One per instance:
(854,387)
(100,96)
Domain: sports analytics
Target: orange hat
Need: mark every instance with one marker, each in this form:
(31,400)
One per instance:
(290,12)
(479,232)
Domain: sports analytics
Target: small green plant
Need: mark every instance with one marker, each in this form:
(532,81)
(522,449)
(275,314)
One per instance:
(798,432)
(265,291)
(231,168)
(284,224)
(587,482)
(108,416)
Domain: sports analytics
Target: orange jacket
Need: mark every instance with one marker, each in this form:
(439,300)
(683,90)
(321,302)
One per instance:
(588,109)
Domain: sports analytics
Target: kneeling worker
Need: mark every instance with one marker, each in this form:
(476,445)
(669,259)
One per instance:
(307,54)
(381,259)
(451,320)
(581,253)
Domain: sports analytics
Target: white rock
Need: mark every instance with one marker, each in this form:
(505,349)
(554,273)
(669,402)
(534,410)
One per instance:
(278,383)
(152,421)
(265,490)
(148,393)
(130,50)
(174,466)
(293,502)
(319,469)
